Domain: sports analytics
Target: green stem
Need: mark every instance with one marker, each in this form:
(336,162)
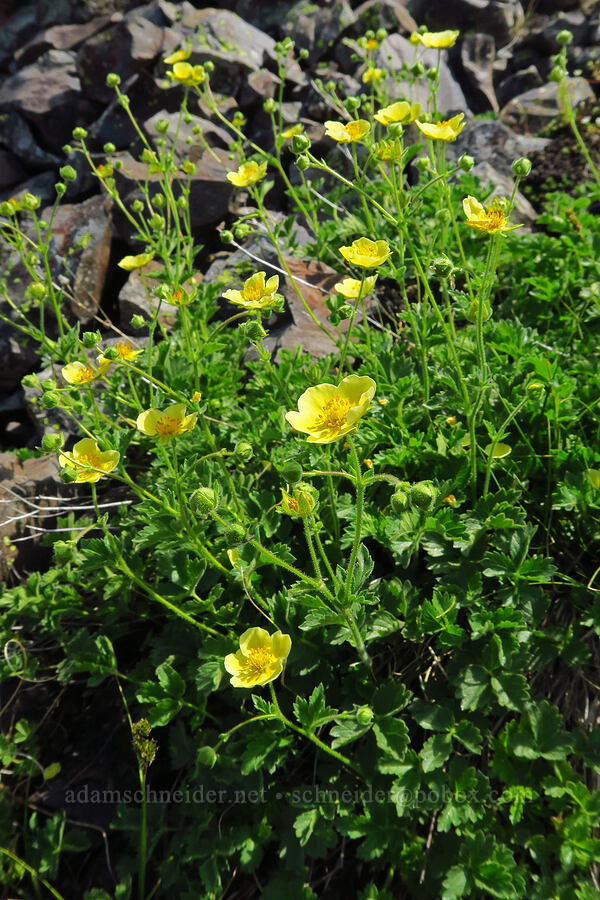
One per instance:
(351,322)
(324,556)
(31,871)
(143,839)
(311,737)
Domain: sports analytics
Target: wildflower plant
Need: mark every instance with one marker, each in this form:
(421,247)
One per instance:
(348,581)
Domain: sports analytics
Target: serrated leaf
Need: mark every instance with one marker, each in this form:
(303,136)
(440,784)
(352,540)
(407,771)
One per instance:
(304,825)
(435,752)
(347,730)
(432,716)
(511,689)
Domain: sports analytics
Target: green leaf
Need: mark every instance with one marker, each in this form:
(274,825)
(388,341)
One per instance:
(363,568)
(304,825)
(511,689)
(314,711)
(474,688)
(172,683)
(432,716)
(541,735)
(468,735)
(347,730)
(392,737)
(436,751)
(455,883)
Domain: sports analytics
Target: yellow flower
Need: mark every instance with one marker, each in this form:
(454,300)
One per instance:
(439,39)
(184,73)
(492,219)
(373,74)
(350,287)
(402,111)
(415,38)
(177,297)
(86,457)
(125,350)
(328,412)
(292,131)
(247,174)
(178,56)
(80,373)
(129,263)
(196,397)
(256,293)
(104,170)
(260,659)
(166,423)
(444,130)
(348,133)
(366,253)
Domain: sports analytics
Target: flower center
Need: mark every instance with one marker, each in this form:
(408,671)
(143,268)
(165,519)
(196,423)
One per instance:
(442,123)
(259,659)
(85,374)
(253,292)
(88,459)
(334,412)
(496,216)
(166,426)
(125,349)
(353,129)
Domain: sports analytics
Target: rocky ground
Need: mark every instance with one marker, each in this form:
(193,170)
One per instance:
(54,58)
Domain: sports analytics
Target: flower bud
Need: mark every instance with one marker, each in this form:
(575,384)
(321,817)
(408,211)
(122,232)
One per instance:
(206,756)
(79,134)
(68,173)
(52,442)
(291,472)
(7,209)
(138,321)
(466,162)
(422,494)
(189,167)
(31,201)
(204,500)
(182,202)
(303,163)
(304,501)
(137,206)
(209,66)
(422,163)
(235,534)
(226,236)
(244,451)
(90,339)
(64,551)
(111,353)
(37,290)
(48,384)
(113,80)
(60,189)
(522,167)
(557,74)
(159,201)
(417,68)
(300,144)
(364,715)
(109,147)
(30,381)
(50,399)
(431,74)
(269,106)
(399,501)
(442,267)
(564,37)
(473,311)
(303,53)
(68,474)
(156,222)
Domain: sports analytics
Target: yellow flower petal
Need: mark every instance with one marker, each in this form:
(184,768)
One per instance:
(167,423)
(366,253)
(445,130)
(247,174)
(129,263)
(260,659)
(90,463)
(402,111)
(327,412)
(347,133)
(439,39)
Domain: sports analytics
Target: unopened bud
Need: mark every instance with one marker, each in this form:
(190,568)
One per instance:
(300,144)
(204,500)
(291,472)
(68,173)
(422,494)
(557,74)
(90,339)
(52,442)
(79,134)
(364,715)
(303,163)
(269,106)
(137,321)
(109,147)
(399,501)
(226,236)
(113,80)
(442,267)
(522,167)
(38,290)
(466,162)
(303,502)
(244,451)
(564,37)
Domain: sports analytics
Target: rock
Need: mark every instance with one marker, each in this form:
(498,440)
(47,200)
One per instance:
(29,17)
(81,241)
(396,50)
(17,136)
(303,332)
(125,48)
(234,46)
(147,98)
(477,53)
(390,14)
(48,421)
(494,143)
(48,94)
(257,87)
(25,510)
(41,185)
(18,354)
(209,190)
(518,83)
(11,170)
(62,37)
(189,145)
(133,301)
(315,28)
(500,18)
(535,109)
(541,31)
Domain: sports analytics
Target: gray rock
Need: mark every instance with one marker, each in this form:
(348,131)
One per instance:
(11,170)
(535,109)
(125,48)
(19,356)
(114,125)
(48,421)
(477,53)
(189,145)
(29,17)
(41,185)
(80,250)
(62,37)
(48,94)
(541,31)
(396,50)
(390,14)
(518,83)
(494,143)
(315,28)
(17,136)
(136,299)
(500,18)
(209,190)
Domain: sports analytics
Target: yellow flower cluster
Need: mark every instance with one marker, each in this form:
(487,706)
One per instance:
(327,412)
